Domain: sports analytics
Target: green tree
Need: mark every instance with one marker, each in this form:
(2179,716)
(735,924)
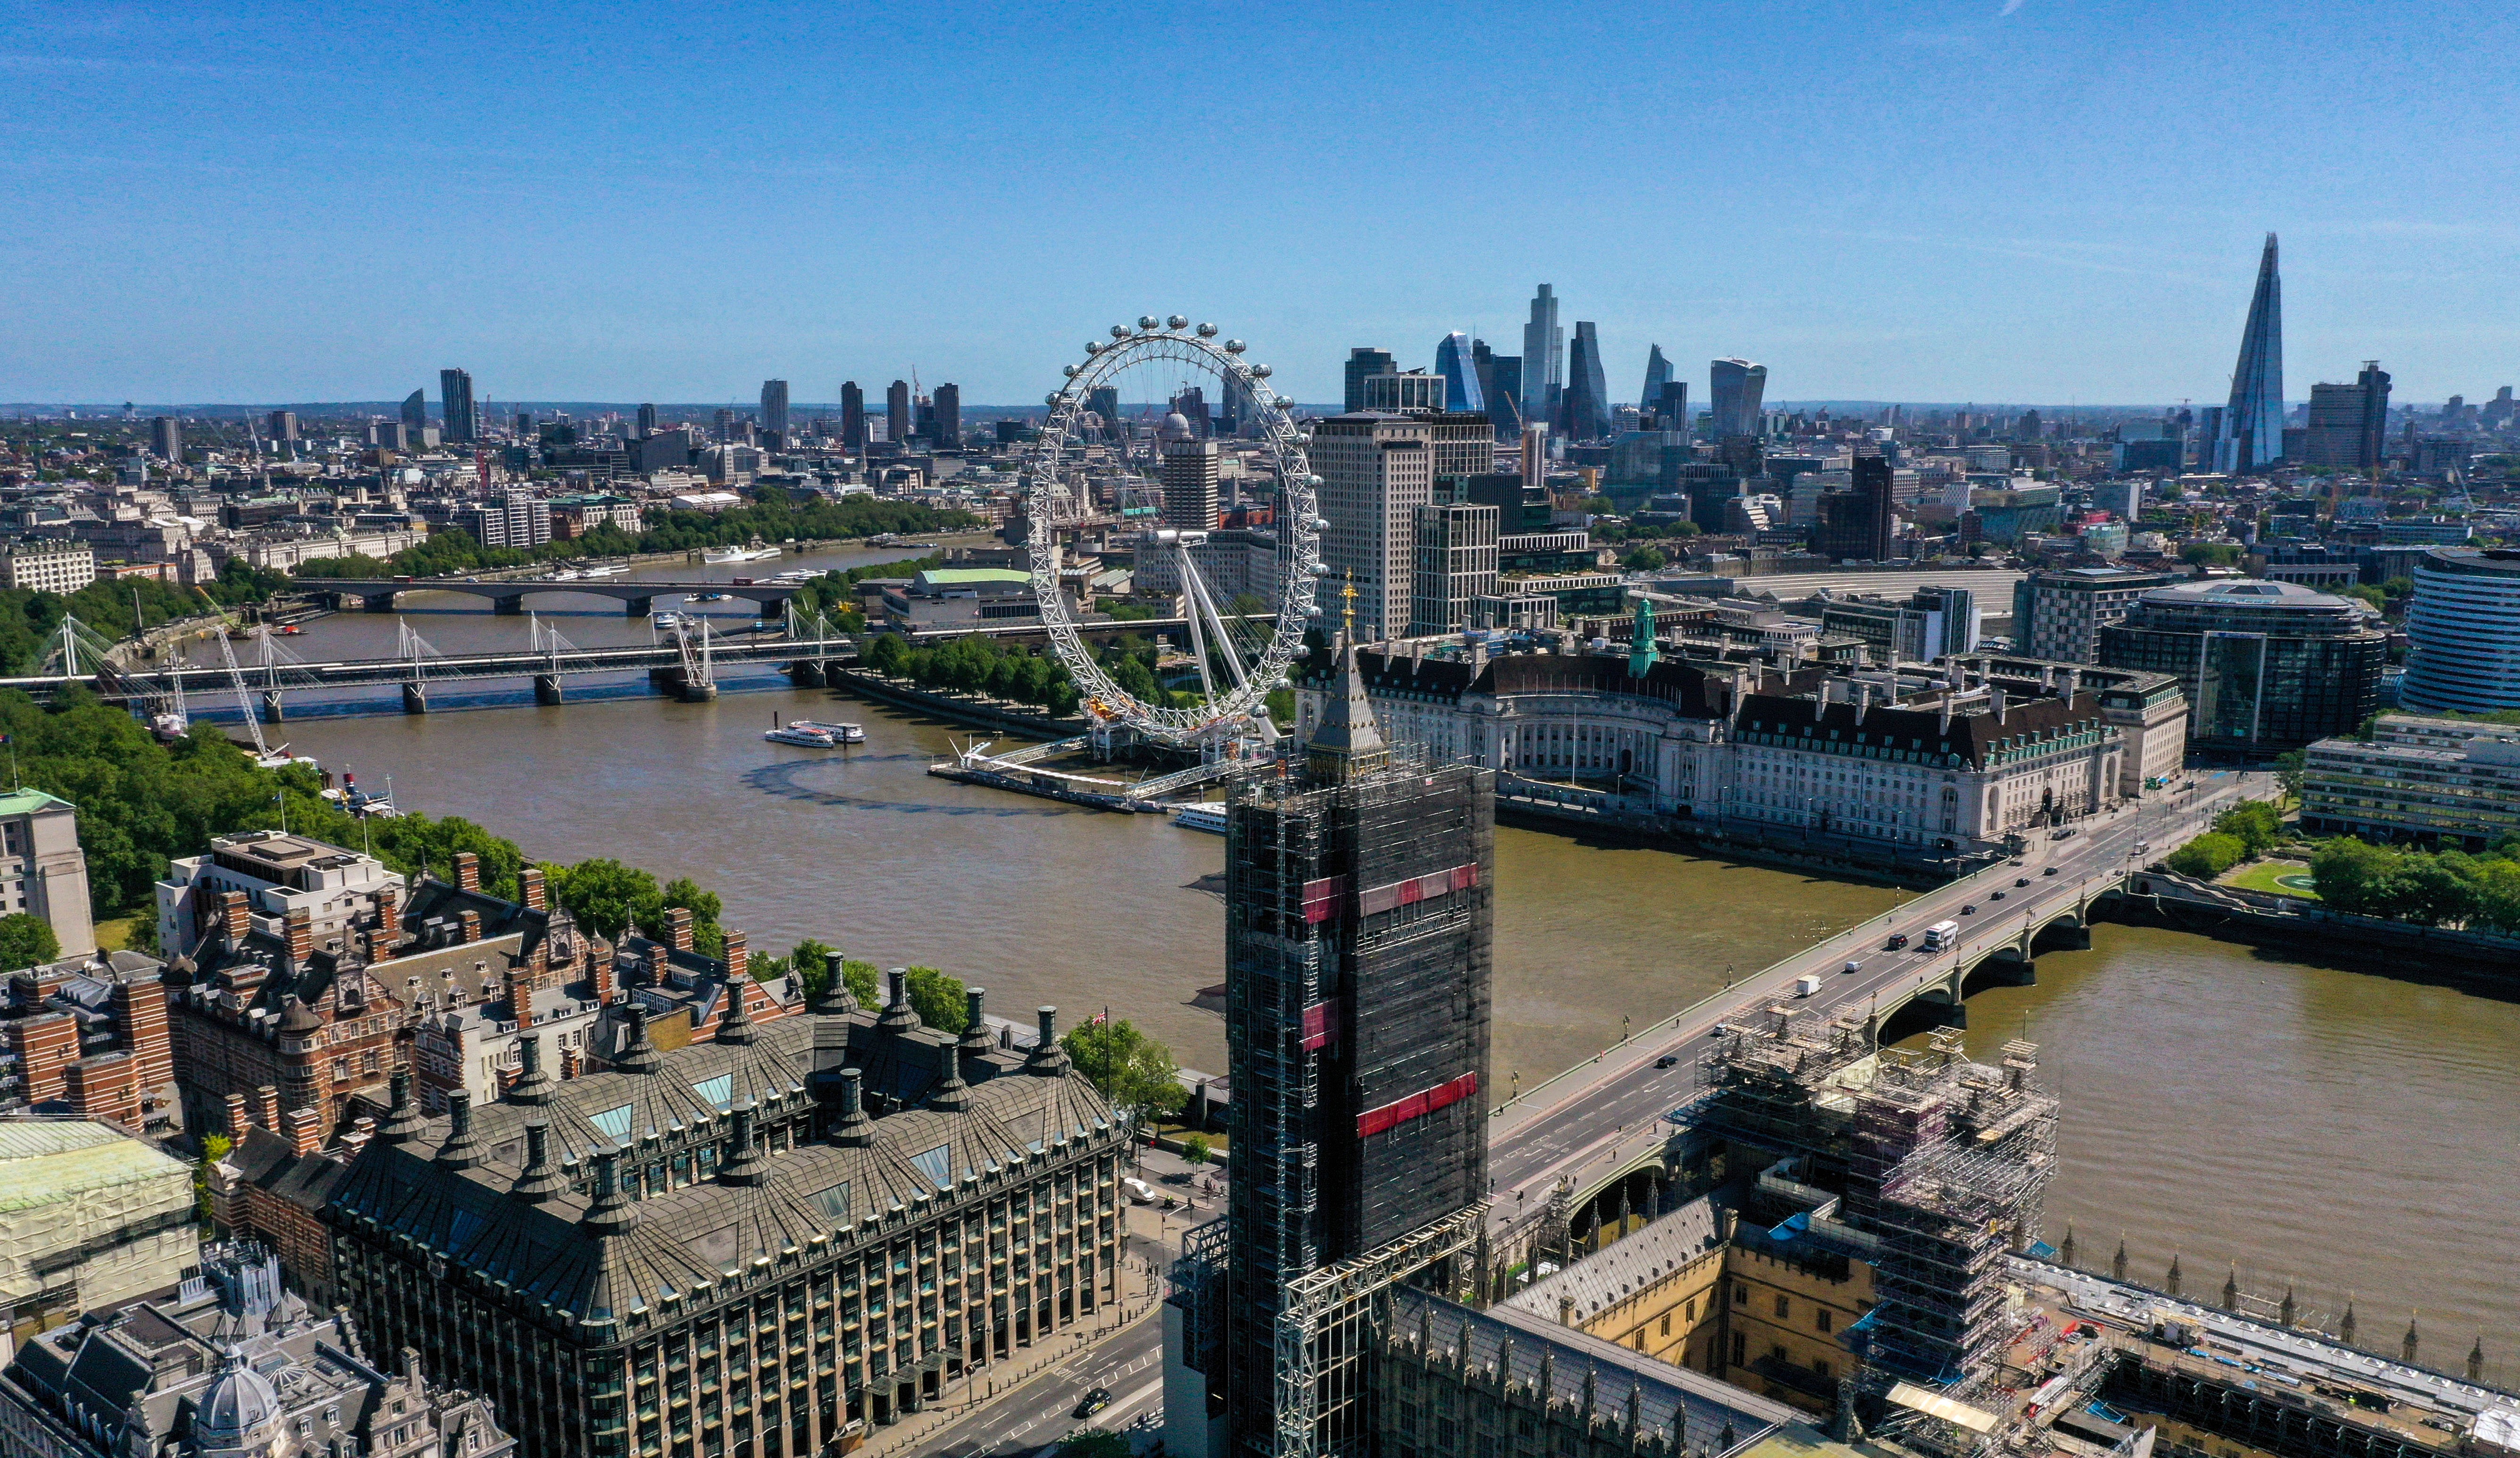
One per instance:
(1126,1067)
(1094,1442)
(885,652)
(938,999)
(2210,554)
(26,942)
(865,980)
(809,961)
(2292,770)
(2207,856)
(2256,825)
(2355,876)
(708,937)
(604,895)
(1645,559)
(2364,593)
(1194,1150)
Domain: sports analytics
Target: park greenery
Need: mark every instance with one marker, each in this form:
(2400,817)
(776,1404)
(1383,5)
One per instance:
(29,621)
(2429,889)
(980,663)
(2242,833)
(608,898)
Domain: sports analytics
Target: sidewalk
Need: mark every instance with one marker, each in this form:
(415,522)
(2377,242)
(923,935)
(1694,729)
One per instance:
(1140,1297)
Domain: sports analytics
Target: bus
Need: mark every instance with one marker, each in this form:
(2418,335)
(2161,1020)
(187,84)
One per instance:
(1941,936)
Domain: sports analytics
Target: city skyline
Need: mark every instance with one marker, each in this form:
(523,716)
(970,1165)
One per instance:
(2057,288)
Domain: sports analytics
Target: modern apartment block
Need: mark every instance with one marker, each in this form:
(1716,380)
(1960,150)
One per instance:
(2466,626)
(2058,615)
(1455,565)
(2454,782)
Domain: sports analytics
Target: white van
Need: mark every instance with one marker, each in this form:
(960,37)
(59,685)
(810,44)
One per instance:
(1806,985)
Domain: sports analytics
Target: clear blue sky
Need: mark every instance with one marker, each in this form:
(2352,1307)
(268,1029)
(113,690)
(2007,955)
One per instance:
(1991,200)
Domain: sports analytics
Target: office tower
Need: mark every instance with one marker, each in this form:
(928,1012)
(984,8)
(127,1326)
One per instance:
(1585,412)
(1543,357)
(1534,456)
(462,422)
(2466,626)
(1460,374)
(853,424)
(389,435)
(1358,1012)
(524,425)
(1735,387)
(948,404)
(1501,386)
(1228,411)
(166,440)
(2267,666)
(1855,524)
(2252,428)
(281,427)
(1187,470)
(415,413)
(1361,363)
(647,421)
(1657,375)
(896,411)
(1376,470)
(1670,406)
(2349,423)
(723,427)
(1456,564)
(774,408)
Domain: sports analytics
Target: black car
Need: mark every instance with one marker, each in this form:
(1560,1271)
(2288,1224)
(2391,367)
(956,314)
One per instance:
(1969,910)
(2025,881)
(1998,896)
(1095,1402)
(1668,1059)
(2051,871)
(1897,941)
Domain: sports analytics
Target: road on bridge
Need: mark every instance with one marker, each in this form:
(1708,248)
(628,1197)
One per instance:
(1591,1120)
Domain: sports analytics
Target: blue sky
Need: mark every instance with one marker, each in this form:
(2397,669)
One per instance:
(1995,200)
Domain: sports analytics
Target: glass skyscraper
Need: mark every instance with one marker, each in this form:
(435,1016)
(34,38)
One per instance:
(1543,356)
(1657,375)
(1460,374)
(1736,388)
(2252,431)
(1587,392)
(462,420)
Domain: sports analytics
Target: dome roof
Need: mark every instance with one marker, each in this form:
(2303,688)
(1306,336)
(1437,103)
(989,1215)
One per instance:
(1175,427)
(239,1403)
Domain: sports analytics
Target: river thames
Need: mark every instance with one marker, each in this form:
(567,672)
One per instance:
(2318,1125)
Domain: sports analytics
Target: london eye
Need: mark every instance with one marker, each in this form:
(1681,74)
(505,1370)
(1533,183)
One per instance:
(1087,473)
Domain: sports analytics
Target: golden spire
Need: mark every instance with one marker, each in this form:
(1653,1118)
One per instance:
(1348,610)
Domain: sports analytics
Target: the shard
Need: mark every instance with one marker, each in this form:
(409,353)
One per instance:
(2252,430)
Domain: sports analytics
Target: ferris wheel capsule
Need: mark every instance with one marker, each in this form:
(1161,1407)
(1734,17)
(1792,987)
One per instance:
(1071,371)
(1119,331)
(1050,398)
(1303,438)
(1208,331)
(1313,482)
(1178,321)
(1148,321)
(1260,371)
(1235,346)
(1093,346)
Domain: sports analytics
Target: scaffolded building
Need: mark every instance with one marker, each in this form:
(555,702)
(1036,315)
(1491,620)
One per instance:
(1943,1161)
(1357,1020)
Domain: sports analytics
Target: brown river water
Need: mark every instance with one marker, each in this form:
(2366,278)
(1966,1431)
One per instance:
(2345,1132)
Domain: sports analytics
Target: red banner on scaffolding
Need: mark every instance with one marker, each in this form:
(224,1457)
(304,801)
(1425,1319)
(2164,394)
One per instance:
(1424,1102)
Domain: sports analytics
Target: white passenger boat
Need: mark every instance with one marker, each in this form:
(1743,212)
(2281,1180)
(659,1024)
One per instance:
(797,734)
(729,556)
(1206,817)
(845,733)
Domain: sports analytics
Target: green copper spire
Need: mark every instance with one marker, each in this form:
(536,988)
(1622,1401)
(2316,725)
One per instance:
(1642,651)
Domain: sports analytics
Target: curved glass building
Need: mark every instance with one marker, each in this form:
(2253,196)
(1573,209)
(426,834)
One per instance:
(2266,665)
(2466,626)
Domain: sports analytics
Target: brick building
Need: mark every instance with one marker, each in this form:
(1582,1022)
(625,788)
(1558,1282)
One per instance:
(88,1036)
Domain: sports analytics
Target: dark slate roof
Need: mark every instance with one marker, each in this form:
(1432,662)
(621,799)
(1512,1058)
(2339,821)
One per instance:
(1922,730)
(1688,687)
(686,1240)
